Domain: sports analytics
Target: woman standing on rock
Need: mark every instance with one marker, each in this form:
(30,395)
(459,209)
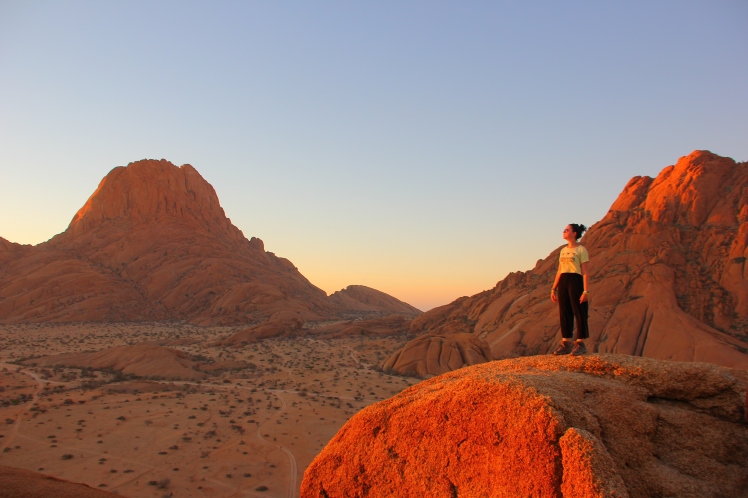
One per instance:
(570,292)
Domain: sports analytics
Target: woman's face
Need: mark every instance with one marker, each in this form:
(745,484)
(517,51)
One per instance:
(569,234)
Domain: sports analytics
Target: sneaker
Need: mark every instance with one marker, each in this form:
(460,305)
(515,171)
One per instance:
(579,349)
(564,348)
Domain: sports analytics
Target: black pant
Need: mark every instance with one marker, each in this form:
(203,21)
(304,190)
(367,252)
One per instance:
(570,288)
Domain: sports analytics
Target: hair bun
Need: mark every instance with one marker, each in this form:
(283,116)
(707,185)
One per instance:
(578,228)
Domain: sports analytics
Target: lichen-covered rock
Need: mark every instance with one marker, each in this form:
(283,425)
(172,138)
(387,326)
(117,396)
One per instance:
(545,426)
(668,275)
(588,468)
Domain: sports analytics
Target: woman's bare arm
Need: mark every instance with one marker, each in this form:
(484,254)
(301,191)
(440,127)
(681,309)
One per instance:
(585,278)
(555,285)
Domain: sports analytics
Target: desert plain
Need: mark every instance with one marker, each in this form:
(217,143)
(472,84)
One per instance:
(250,427)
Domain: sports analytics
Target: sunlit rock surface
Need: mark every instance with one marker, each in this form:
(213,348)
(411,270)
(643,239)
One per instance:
(545,426)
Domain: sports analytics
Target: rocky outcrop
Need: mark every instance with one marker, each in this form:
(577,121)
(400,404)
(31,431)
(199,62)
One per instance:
(153,243)
(430,355)
(140,360)
(21,483)
(668,275)
(595,426)
(365,299)
(154,192)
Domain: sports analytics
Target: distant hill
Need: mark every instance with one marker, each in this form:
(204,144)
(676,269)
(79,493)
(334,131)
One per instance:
(668,275)
(153,243)
(366,299)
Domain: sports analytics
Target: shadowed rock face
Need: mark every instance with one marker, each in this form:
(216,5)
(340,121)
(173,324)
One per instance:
(11,250)
(668,275)
(431,355)
(595,426)
(153,243)
(20,483)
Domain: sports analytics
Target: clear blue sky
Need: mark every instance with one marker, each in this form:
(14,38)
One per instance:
(422,148)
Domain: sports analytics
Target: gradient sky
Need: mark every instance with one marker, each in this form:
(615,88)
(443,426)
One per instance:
(423,148)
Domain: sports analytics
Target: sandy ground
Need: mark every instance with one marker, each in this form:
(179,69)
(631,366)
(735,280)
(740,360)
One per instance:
(248,432)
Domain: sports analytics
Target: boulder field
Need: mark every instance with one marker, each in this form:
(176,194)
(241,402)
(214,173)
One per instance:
(543,426)
(153,243)
(668,276)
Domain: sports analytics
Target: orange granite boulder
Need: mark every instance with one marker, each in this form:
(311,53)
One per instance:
(544,426)
(430,355)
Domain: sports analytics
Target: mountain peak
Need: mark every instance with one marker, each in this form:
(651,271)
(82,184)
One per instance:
(696,190)
(153,243)
(152,190)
